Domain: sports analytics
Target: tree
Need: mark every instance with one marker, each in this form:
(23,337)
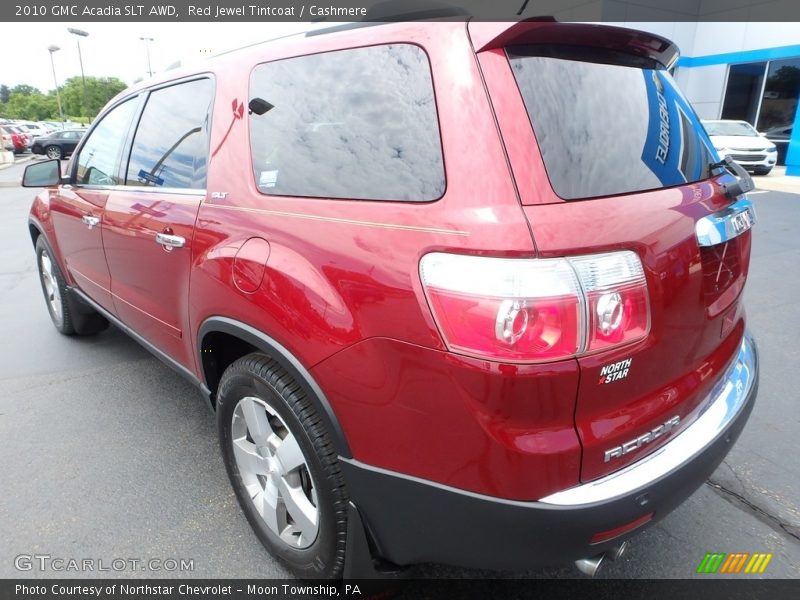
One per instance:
(24,90)
(99,90)
(32,106)
(27,102)
(4,93)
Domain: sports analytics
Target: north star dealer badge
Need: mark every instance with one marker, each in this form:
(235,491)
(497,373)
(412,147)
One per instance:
(614,371)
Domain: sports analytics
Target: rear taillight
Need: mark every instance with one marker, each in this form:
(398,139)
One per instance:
(618,303)
(530,310)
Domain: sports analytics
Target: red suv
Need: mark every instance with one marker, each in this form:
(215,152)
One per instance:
(466,293)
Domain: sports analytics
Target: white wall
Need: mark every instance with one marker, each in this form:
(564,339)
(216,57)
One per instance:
(704,87)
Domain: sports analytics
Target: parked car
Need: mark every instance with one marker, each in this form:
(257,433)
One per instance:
(516,355)
(34,130)
(59,144)
(6,139)
(740,141)
(19,140)
(780,137)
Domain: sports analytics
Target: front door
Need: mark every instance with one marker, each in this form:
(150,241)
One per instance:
(77,208)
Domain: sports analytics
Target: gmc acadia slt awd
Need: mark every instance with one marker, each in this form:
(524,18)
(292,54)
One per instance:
(439,315)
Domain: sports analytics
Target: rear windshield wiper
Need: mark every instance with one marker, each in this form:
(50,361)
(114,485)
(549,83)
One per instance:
(743,182)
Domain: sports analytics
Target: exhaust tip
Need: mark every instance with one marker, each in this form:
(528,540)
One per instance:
(617,552)
(590,566)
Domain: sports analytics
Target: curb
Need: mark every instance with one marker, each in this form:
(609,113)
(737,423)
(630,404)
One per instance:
(24,159)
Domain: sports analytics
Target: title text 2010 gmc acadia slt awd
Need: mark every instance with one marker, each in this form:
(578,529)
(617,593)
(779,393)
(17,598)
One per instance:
(466,293)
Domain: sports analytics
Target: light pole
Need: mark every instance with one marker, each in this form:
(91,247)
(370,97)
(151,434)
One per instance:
(147,41)
(79,33)
(51,50)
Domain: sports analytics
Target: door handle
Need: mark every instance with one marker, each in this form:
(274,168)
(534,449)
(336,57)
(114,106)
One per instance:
(90,220)
(170,241)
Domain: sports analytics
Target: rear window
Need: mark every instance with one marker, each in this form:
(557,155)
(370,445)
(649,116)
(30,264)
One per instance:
(608,123)
(357,123)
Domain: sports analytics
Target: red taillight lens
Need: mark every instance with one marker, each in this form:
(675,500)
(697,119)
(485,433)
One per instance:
(618,303)
(531,310)
(520,329)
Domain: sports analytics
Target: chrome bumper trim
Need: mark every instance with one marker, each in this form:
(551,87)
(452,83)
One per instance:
(721,407)
(726,224)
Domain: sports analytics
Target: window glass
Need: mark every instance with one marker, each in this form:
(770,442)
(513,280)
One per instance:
(742,91)
(614,126)
(355,124)
(781,93)
(170,148)
(98,161)
(729,128)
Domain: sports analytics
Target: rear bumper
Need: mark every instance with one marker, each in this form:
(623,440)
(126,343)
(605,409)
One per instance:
(412,520)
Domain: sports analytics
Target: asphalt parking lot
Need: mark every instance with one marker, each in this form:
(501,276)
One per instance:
(109,454)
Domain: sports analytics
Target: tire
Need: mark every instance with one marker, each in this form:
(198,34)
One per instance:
(54,289)
(69,314)
(260,410)
(53,152)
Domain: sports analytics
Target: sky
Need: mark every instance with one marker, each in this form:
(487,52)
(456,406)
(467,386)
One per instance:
(115,50)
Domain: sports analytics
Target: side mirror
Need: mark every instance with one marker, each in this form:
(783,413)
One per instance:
(43,174)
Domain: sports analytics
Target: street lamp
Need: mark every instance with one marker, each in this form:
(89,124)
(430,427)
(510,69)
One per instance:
(51,50)
(147,41)
(79,33)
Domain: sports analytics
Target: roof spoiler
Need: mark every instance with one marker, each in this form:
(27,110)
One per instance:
(546,30)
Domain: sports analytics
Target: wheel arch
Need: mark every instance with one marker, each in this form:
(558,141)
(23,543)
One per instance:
(220,340)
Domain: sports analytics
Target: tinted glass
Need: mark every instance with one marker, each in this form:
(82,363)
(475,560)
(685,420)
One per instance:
(781,94)
(349,124)
(170,148)
(98,161)
(606,129)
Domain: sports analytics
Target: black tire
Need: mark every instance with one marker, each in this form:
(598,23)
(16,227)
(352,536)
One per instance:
(257,375)
(74,316)
(53,152)
(62,315)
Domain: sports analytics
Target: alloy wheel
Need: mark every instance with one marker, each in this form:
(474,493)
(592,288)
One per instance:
(51,285)
(275,473)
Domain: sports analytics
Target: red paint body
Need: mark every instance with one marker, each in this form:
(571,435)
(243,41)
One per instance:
(337,282)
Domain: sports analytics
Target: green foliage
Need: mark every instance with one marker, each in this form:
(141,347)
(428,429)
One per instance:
(99,90)
(28,103)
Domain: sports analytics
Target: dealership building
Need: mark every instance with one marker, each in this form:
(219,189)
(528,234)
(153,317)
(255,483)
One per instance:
(744,71)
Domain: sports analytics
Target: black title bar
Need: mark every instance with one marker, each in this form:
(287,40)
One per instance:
(395,10)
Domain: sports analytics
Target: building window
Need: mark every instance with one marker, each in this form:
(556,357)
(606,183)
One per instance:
(743,92)
(779,104)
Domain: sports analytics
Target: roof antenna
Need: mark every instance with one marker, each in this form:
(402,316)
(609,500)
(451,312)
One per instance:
(522,8)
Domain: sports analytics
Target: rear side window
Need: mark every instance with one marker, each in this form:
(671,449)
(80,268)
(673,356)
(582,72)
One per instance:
(357,124)
(610,127)
(170,148)
(98,161)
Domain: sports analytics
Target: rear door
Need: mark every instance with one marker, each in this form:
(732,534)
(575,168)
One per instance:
(609,156)
(148,224)
(68,140)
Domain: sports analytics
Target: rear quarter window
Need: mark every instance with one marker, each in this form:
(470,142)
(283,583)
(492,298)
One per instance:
(357,124)
(614,126)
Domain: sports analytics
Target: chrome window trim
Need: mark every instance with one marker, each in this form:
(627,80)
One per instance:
(720,408)
(145,189)
(726,224)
